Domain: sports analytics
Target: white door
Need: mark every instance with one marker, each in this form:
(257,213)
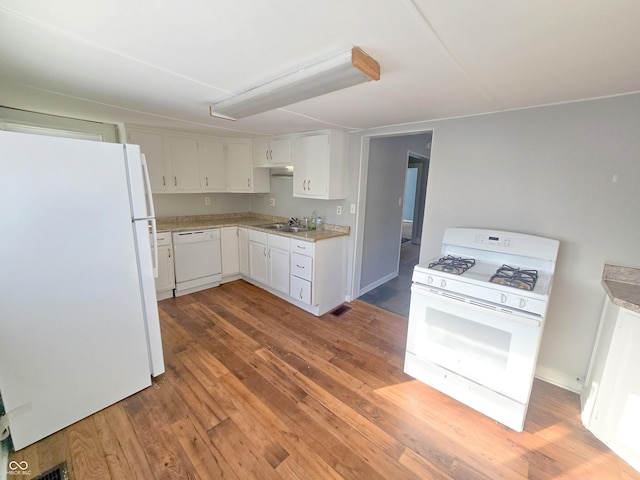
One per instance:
(82,345)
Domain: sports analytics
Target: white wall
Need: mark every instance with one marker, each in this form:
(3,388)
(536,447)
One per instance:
(545,171)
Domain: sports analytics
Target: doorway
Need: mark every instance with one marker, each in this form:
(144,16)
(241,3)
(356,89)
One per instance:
(386,261)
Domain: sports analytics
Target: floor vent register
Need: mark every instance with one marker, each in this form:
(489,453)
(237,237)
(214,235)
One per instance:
(342,309)
(58,472)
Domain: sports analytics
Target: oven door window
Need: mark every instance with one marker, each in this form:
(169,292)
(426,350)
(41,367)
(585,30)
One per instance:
(492,348)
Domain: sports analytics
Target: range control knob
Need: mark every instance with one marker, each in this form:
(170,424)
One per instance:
(521,302)
(443,283)
(502,298)
(429,280)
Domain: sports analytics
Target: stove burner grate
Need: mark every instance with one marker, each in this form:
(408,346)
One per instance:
(514,277)
(451,264)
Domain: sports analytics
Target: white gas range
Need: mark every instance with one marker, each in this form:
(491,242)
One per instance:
(476,319)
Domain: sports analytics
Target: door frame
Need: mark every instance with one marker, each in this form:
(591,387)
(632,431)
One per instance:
(363,171)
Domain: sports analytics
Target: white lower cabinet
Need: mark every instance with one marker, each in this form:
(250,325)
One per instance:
(166,280)
(310,275)
(611,394)
(301,289)
(278,262)
(318,274)
(258,256)
(269,260)
(243,251)
(230,252)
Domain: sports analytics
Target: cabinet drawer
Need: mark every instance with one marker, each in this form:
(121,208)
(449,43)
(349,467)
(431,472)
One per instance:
(164,239)
(300,289)
(300,246)
(301,266)
(257,236)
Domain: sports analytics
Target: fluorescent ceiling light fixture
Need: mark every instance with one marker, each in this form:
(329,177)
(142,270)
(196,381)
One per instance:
(342,71)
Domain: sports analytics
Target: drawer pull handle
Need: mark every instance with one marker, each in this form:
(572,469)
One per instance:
(299,266)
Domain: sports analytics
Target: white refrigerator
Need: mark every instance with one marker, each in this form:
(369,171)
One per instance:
(79,326)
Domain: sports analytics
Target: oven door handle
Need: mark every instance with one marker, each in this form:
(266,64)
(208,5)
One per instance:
(477,305)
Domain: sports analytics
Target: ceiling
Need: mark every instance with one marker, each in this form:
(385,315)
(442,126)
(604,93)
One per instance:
(162,63)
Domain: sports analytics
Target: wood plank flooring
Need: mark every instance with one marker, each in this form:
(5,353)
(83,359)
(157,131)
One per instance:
(258,389)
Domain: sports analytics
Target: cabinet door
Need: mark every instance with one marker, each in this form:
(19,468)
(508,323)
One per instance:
(212,166)
(299,167)
(230,252)
(166,278)
(317,156)
(260,155)
(258,261)
(243,251)
(280,152)
(152,145)
(239,167)
(185,164)
(311,166)
(279,269)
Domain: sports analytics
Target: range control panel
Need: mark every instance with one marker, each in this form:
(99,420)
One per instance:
(493,240)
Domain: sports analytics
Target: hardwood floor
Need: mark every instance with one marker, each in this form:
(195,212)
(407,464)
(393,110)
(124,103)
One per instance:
(258,389)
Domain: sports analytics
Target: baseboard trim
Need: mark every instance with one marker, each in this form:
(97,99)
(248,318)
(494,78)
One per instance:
(559,379)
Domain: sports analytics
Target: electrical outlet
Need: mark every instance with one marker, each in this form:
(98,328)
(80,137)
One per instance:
(207,200)
(353,208)
(339,210)
(272,202)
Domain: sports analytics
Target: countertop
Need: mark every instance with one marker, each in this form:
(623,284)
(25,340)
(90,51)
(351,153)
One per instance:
(622,285)
(200,222)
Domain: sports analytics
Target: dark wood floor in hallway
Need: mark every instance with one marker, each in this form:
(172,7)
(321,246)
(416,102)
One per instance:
(258,389)
(395,295)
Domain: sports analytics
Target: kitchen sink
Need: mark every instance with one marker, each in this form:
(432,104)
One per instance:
(283,227)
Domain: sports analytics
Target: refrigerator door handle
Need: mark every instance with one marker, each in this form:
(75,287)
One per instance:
(154,247)
(147,183)
(151,214)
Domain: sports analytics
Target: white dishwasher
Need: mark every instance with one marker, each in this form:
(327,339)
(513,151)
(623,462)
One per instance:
(197,260)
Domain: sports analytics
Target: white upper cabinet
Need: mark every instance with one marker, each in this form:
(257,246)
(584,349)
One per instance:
(185,164)
(241,176)
(213,169)
(260,154)
(319,165)
(153,147)
(274,153)
(189,163)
